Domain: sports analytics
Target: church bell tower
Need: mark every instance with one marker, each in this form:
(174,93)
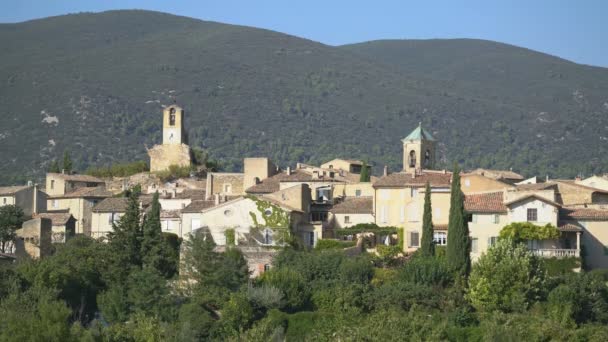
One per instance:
(418,150)
(173,125)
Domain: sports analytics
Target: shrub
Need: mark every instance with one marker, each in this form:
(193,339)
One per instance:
(293,286)
(119,170)
(266,297)
(426,271)
(507,278)
(563,305)
(558,267)
(333,244)
(524,231)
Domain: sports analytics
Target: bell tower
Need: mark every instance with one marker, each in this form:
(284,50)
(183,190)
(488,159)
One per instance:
(173,125)
(418,150)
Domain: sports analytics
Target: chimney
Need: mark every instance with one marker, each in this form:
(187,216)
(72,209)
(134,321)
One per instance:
(298,165)
(216,199)
(546,178)
(385,170)
(444,171)
(35,209)
(63,171)
(289,170)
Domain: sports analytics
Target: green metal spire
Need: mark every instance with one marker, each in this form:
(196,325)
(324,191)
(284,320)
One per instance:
(419,134)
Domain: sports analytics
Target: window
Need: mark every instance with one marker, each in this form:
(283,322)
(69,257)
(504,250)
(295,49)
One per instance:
(467,182)
(412,159)
(52,184)
(474,245)
(346,219)
(496,218)
(384,214)
(414,239)
(227,212)
(113,218)
(55,203)
(474,218)
(266,267)
(267,236)
(318,216)
(267,212)
(492,240)
(532,214)
(440,238)
(310,237)
(227,188)
(357,193)
(413,192)
(172,117)
(427,158)
(470,218)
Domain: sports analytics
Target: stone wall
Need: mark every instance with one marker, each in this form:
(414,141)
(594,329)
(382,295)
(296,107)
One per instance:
(163,156)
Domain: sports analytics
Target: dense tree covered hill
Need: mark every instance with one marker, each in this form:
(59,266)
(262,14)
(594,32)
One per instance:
(95,84)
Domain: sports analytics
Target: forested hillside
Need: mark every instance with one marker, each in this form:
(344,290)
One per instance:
(94,84)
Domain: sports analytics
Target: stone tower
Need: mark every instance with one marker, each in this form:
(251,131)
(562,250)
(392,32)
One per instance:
(418,150)
(173,150)
(173,125)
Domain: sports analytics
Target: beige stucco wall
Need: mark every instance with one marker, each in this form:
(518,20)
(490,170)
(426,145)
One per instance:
(419,148)
(595,242)
(472,183)
(7,200)
(547,213)
(312,185)
(176,129)
(25,200)
(216,183)
(350,190)
(100,225)
(163,156)
(55,185)
(80,208)
(354,219)
(34,238)
(257,168)
(297,196)
(483,228)
(403,207)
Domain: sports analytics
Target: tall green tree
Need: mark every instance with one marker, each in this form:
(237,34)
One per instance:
(458,249)
(126,238)
(11,219)
(67,161)
(54,167)
(155,251)
(427,245)
(364,177)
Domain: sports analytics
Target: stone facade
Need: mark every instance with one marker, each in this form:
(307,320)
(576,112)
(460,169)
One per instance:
(34,239)
(163,156)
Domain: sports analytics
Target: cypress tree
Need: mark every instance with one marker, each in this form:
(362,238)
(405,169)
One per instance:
(67,161)
(427,246)
(458,248)
(54,167)
(364,177)
(155,251)
(125,239)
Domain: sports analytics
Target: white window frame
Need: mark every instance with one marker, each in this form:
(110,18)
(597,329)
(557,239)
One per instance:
(474,245)
(410,239)
(440,238)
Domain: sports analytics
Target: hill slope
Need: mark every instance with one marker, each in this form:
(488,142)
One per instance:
(95,84)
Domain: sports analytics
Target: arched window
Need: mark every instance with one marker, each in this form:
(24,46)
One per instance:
(172,117)
(427,158)
(412,158)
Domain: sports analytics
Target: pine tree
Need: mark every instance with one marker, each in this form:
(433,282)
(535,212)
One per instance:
(54,167)
(155,251)
(364,177)
(458,248)
(67,161)
(427,246)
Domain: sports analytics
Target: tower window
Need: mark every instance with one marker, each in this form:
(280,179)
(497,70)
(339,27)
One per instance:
(172,117)
(427,158)
(412,158)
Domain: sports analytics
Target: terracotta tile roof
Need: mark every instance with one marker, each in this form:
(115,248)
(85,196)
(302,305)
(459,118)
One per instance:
(583,214)
(57,219)
(354,205)
(490,202)
(86,192)
(193,194)
(77,178)
(118,204)
(540,198)
(537,186)
(197,206)
(498,174)
(273,183)
(569,227)
(402,179)
(11,190)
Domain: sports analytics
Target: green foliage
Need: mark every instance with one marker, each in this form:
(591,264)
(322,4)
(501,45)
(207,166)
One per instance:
(427,245)
(266,297)
(426,271)
(366,228)
(54,167)
(364,177)
(273,215)
(11,219)
(291,284)
(333,244)
(230,238)
(561,266)
(458,248)
(126,238)
(67,162)
(119,170)
(506,278)
(174,172)
(524,231)
(156,251)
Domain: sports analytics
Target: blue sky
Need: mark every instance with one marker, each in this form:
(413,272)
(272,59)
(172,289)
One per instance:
(575,30)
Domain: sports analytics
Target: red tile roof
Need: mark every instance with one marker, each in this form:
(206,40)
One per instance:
(569,227)
(540,198)
(583,214)
(490,202)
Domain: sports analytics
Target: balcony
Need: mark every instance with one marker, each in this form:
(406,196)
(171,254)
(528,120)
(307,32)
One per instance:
(556,253)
